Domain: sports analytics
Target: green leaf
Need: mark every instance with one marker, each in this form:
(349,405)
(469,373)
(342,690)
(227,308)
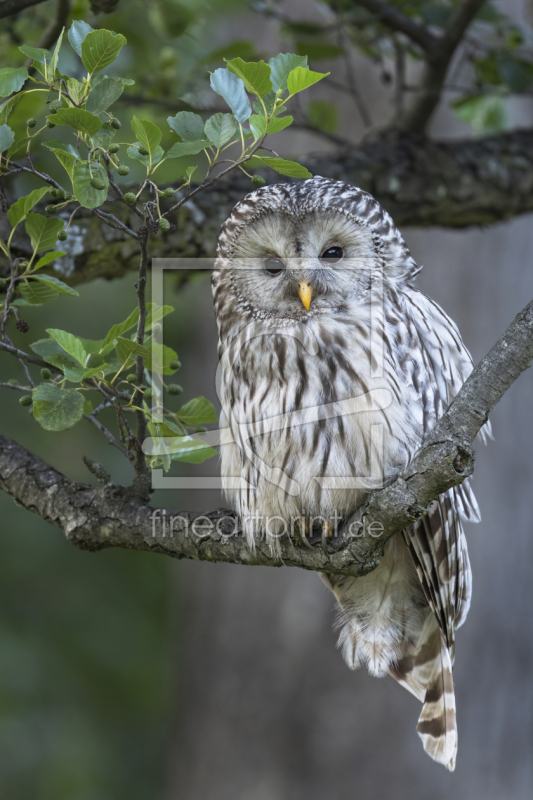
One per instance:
(7,137)
(126,348)
(7,107)
(53,353)
(65,154)
(12,80)
(300,79)
(290,168)
(516,73)
(187,125)
(239,47)
(47,258)
(55,283)
(87,195)
(155,158)
(197,412)
(323,115)
(71,344)
(255,75)
(103,95)
(78,119)
(35,294)
(19,145)
(18,210)
(148,134)
(42,230)
(187,148)
(76,90)
(100,48)
(281,66)
(485,113)
(220,128)
(155,314)
(77,33)
(189,450)
(57,409)
(231,88)
(120,328)
(258,125)
(318,50)
(159,359)
(53,62)
(42,56)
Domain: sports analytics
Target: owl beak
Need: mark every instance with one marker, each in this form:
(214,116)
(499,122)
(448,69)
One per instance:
(306,292)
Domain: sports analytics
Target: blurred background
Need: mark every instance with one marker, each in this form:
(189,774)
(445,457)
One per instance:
(126,675)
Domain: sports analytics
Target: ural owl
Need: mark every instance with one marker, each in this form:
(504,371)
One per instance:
(333,365)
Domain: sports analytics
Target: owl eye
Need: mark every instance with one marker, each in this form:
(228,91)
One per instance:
(332,255)
(273,266)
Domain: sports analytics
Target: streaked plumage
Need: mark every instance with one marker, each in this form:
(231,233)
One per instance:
(304,393)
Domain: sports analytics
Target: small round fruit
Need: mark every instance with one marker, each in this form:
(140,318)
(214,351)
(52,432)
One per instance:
(51,209)
(168,193)
(56,193)
(201,429)
(258,180)
(157,329)
(130,198)
(113,148)
(97,183)
(164,224)
(49,124)
(183,179)
(116,124)
(148,394)
(54,105)
(62,236)
(122,169)
(31,122)
(175,364)
(143,151)
(132,377)
(46,374)
(26,400)
(174,388)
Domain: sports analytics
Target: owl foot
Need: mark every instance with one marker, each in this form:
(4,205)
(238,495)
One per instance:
(327,533)
(303,529)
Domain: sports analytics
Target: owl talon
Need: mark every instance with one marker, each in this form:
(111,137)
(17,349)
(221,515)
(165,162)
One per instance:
(302,530)
(327,533)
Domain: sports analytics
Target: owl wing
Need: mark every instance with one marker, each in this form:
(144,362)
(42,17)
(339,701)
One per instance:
(439,363)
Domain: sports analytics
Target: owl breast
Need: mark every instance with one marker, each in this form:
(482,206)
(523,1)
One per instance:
(317,414)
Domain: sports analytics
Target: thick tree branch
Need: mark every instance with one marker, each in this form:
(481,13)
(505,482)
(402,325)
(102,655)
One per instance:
(10,7)
(112,517)
(393,18)
(437,60)
(419,182)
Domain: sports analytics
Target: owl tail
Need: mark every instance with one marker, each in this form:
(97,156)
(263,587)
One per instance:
(427,673)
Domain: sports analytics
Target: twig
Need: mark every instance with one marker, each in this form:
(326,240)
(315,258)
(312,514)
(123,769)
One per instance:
(109,436)
(141,481)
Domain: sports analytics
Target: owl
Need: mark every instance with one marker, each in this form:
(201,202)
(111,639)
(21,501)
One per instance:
(333,367)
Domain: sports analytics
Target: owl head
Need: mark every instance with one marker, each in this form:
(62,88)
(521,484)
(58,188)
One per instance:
(294,251)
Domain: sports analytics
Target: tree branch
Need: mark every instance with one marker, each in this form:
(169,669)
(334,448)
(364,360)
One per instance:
(393,18)
(437,60)
(10,7)
(112,516)
(418,181)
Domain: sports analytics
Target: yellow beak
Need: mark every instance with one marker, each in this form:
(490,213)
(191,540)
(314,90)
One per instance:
(306,292)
